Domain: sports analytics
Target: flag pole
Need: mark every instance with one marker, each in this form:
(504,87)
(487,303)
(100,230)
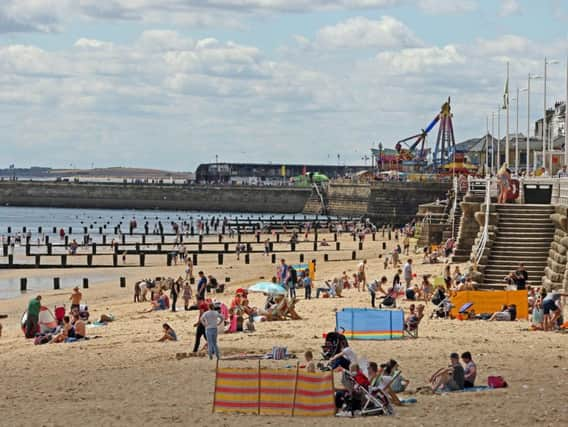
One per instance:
(507,107)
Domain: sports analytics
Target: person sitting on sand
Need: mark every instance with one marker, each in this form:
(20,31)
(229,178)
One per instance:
(450,378)
(169,334)
(310,364)
(64,334)
(79,328)
(470,371)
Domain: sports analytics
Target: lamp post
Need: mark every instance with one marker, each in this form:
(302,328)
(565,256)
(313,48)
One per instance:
(492,142)
(545,143)
(516,99)
(498,137)
(530,77)
(486,146)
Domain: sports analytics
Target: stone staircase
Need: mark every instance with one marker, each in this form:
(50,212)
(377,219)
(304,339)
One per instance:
(523,235)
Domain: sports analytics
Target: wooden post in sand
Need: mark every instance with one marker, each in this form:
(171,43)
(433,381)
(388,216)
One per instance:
(56,283)
(23,284)
(354,255)
(295,387)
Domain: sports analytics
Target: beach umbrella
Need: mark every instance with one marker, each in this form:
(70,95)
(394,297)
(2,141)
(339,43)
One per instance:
(465,307)
(268,288)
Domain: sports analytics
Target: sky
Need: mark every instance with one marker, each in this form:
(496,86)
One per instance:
(173,83)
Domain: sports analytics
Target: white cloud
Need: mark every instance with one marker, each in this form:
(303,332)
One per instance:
(420,60)
(508,44)
(53,15)
(510,7)
(438,7)
(361,32)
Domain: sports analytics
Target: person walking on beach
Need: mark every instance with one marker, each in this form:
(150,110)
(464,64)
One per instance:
(373,292)
(212,320)
(361,274)
(75,299)
(200,329)
(407,272)
(174,292)
(201,286)
(291,281)
(187,295)
(32,318)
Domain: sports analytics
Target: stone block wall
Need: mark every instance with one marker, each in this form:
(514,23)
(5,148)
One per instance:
(556,271)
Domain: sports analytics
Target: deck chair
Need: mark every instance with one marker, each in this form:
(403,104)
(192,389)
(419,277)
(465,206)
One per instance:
(290,310)
(388,391)
(372,402)
(411,331)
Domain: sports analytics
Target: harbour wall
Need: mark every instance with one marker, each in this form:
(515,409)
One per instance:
(385,202)
(388,202)
(149,196)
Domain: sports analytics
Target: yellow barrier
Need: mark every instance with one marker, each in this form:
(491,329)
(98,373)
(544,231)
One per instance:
(491,301)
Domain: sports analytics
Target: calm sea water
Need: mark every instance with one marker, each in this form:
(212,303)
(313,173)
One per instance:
(19,217)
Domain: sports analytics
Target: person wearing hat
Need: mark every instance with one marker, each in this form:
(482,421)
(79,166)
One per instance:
(450,378)
(75,299)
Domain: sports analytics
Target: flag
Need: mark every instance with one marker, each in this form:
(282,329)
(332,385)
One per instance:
(506,95)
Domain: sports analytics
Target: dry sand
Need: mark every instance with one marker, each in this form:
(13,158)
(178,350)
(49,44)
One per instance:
(125,377)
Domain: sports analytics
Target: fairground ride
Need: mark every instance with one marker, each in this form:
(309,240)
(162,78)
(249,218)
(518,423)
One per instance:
(416,154)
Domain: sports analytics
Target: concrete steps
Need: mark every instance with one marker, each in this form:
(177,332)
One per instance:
(523,235)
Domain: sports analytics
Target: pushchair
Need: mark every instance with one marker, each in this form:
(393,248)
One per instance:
(360,401)
(389,300)
(442,310)
(334,342)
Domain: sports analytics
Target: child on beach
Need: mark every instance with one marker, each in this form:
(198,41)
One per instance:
(169,334)
(187,295)
(310,364)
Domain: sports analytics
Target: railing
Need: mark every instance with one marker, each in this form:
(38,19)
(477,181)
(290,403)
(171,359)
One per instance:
(485,233)
(322,201)
(454,206)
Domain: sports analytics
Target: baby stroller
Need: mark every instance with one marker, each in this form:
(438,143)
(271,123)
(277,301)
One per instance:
(442,310)
(389,300)
(359,400)
(334,342)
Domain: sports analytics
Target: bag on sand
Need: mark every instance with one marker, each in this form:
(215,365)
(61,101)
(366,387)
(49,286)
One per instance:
(496,382)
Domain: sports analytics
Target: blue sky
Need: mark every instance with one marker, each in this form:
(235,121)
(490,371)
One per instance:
(171,83)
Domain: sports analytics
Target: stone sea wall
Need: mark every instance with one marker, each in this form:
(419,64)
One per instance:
(385,202)
(148,196)
(388,202)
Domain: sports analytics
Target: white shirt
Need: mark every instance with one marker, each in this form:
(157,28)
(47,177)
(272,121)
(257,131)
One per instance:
(349,355)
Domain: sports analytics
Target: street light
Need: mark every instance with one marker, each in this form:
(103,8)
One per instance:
(516,99)
(530,77)
(544,130)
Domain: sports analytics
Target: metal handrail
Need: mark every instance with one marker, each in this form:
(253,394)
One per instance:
(454,207)
(485,233)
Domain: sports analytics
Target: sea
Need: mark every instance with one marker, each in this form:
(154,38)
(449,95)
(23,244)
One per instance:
(14,219)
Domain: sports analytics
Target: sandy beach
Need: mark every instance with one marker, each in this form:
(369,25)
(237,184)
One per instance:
(126,377)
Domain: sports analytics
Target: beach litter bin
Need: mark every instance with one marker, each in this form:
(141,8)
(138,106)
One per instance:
(537,194)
